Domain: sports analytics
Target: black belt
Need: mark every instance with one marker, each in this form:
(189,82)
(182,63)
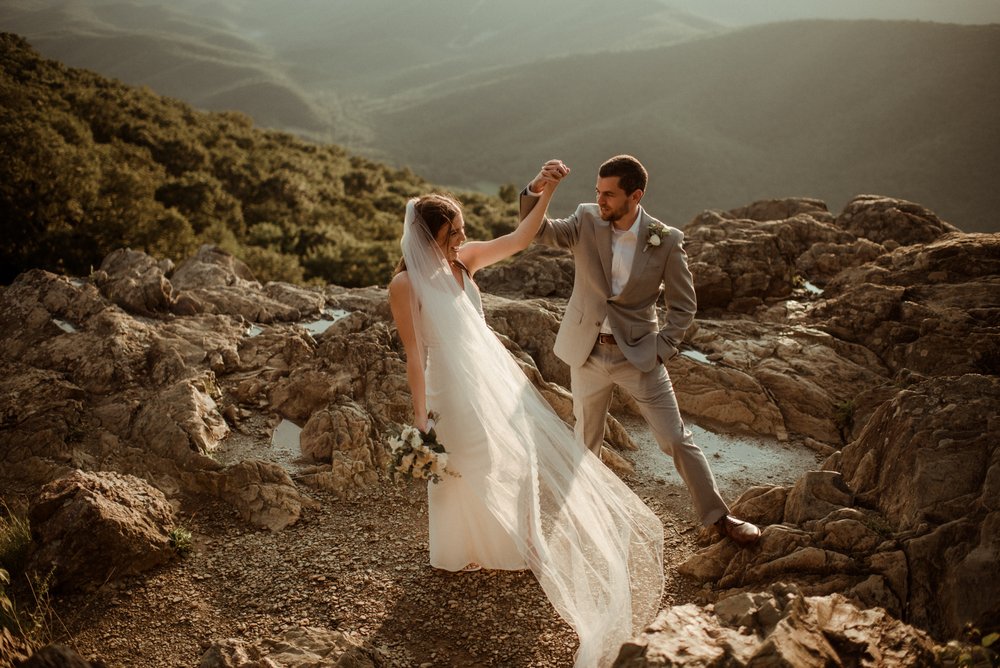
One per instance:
(606,338)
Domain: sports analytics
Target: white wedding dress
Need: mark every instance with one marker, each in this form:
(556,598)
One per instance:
(529,495)
(462,529)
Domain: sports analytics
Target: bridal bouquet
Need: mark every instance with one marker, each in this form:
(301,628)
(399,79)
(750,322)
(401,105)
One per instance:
(418,454)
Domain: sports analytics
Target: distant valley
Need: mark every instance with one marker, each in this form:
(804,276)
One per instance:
(477,95)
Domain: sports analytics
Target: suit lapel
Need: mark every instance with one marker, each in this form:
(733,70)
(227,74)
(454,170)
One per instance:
(642,253)
(602,235)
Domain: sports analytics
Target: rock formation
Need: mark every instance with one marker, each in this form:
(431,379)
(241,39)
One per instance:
(872,336)
(778,627)
(93,527)
(297,648)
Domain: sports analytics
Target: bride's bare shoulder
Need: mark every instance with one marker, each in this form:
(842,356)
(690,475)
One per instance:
(399,283)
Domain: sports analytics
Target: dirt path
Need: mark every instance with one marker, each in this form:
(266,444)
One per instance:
(359,567)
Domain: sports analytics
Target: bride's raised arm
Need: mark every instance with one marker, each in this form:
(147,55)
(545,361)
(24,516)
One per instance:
(478,254)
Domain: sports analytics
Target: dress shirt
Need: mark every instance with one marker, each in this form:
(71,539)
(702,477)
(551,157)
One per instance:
(623,243)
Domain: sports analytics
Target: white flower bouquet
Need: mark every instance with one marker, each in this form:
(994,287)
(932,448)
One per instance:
(417,454)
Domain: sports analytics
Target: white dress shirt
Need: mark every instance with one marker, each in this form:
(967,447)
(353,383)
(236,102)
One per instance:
(623,244)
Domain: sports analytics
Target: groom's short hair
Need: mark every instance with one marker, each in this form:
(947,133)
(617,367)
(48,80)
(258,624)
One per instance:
(631,174)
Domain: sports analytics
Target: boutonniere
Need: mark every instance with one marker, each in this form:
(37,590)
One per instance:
(654,235)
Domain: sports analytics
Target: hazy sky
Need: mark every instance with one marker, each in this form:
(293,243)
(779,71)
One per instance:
(742,12)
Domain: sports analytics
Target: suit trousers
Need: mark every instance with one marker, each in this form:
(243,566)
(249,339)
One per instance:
(592,385)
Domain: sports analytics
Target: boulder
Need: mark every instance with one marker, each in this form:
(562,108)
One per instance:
(262,492)
(180,420)
(341,435)
(56,655)
(89,528)
(779,379)
(929,461)
(540,271)
(778,627)
(299,647)
(927,308)
(533,326)
(885,219)
(781,209)
(214,281)
(739,262)
(136,282)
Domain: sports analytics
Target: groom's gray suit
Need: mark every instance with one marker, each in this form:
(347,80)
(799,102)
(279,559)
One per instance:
(633,359)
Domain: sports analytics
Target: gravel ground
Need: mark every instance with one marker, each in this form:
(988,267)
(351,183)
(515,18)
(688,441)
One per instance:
(357,567)
(361,567)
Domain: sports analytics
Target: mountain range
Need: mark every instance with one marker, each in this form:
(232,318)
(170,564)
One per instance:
(477,95)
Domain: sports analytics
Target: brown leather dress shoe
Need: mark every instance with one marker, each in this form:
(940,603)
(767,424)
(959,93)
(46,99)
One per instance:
(743,533)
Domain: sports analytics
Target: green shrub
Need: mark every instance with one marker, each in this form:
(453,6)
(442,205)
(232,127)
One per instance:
(181,541)
(92,165)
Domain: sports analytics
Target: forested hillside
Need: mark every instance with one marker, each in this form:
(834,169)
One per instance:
(90,165)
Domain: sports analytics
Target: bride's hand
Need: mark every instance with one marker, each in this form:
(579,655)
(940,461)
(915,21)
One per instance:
(548,178)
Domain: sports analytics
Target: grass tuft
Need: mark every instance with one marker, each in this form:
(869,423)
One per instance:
(181,540)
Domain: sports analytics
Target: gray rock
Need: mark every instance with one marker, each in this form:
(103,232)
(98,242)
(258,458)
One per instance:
(884,219)
(299,647)
(778,627)
(93,527)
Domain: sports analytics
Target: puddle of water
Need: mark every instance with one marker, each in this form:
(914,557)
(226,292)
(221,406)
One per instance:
(64,326)
(697,356)
(812,288)
(252,442)
(285,438)
(738,462)
(330,316)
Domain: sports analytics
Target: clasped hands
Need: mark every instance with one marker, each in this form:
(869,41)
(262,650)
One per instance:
(551,174)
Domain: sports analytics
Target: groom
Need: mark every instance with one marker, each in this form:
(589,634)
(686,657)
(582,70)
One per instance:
(610,335)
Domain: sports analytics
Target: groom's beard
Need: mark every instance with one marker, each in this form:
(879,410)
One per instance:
(613,215)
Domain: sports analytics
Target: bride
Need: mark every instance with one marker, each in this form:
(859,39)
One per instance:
(529,495)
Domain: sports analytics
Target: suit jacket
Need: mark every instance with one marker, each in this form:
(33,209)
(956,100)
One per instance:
(632,313)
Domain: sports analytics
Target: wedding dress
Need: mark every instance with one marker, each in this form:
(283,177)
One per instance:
(528,495)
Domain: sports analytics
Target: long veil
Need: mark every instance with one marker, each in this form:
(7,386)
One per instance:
(594,546)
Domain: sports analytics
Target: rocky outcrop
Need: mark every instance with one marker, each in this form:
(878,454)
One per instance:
(738,264)
(778,627)
(904,518)
(892,222)
(120,379)
(136,282)
(928,308)
(929,462)
(164,373)
(95,527)
(89,385)
(773,378)
(301,647)
(539,271)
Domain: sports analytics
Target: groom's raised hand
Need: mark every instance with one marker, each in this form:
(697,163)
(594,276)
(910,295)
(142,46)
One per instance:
(552,172)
